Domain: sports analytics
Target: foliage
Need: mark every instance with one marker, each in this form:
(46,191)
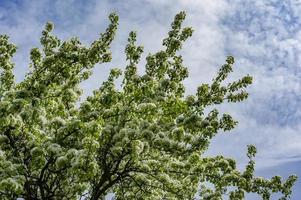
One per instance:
(143,141)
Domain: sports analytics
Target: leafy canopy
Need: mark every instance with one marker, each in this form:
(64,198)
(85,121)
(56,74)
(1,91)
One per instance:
(145,140)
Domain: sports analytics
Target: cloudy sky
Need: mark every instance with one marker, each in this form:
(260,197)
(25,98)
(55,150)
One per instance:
(263,35)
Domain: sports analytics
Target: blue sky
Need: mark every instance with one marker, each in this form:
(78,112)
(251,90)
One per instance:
(263,35)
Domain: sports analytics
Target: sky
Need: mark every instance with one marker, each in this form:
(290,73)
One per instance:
(264,36)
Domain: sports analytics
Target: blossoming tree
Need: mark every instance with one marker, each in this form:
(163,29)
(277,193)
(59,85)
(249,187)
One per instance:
(145,140)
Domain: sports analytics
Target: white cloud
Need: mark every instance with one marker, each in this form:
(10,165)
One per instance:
(262,35)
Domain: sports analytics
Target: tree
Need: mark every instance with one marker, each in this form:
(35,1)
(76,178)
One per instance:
(145,140)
